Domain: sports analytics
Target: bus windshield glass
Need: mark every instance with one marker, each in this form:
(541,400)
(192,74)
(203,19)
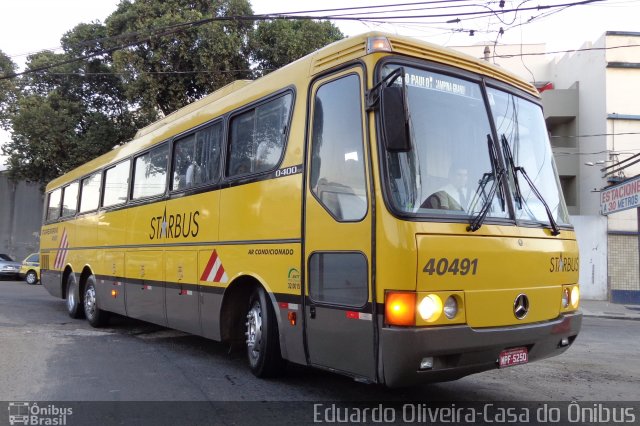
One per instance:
(520,124)
(452,166)
(454,161)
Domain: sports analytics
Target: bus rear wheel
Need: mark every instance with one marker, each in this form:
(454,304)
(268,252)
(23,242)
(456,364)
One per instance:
(74,306)
(263,343)
(96,316)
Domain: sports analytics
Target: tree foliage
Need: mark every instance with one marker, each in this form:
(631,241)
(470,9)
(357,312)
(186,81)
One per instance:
(69,114)
(147,60)
(170,71)
(8,90)
(276,43)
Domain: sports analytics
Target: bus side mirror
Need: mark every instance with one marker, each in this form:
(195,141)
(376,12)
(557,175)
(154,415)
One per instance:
(395,118)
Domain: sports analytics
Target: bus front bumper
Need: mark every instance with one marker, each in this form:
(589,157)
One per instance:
(458,351)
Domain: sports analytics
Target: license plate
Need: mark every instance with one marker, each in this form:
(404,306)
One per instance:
(511,357)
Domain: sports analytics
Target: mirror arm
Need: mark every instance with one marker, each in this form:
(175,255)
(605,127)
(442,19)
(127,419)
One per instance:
(373,95)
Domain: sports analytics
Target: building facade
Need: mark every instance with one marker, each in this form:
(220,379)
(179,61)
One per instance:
(592,109)
(20,217)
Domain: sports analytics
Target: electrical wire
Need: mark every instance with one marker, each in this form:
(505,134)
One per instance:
(83,74)
(596,135)
(586,49)
(171,29)
(370,7)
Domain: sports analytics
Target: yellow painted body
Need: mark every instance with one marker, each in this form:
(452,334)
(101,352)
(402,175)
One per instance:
(256,228)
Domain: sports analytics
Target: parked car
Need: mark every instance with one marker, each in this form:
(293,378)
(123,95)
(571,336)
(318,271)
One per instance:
(30,269)
(8,267)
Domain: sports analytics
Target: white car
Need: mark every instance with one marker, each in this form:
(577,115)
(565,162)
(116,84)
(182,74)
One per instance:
(8,267)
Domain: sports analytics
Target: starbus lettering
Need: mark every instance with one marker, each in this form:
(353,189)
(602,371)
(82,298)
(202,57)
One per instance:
(564,264)
(178,225)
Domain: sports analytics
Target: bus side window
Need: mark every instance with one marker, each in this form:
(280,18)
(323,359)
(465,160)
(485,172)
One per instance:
(90,193)
(196,158)
(258,137)
(184,151)
(53,207)
(116,184)
(150,172)
(337,162)
(338,278)
(70,200)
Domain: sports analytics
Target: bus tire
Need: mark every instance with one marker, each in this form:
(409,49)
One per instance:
(96,316)
(74,305)
(263,343)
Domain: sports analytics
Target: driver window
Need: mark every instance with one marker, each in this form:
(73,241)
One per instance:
(337,162)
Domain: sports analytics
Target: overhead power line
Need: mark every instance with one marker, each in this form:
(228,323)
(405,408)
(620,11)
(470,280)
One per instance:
(594,135)
(83,74)
(625,152)
(380,6)
(172,29)
(586,49)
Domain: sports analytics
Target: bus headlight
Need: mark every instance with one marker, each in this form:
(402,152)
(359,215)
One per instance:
(430,308)
(566,297)
(570,297)
(451,307)
(575,296)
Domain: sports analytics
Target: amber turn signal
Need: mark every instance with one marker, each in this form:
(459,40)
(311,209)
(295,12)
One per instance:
(400,308)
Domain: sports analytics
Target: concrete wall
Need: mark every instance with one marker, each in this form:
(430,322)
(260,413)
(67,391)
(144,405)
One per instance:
(624,279)
(591,232)
(588,68)
(623,108)
(20,217)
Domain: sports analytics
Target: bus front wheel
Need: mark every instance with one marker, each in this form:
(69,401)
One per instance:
(96,316)
(263,344)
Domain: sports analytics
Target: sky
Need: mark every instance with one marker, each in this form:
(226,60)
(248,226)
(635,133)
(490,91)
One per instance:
(31,25)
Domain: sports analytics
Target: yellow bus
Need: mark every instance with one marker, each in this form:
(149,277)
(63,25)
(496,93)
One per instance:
(382,208)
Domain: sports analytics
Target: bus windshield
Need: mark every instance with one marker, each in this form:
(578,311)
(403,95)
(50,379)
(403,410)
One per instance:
(520,124)
(454,161)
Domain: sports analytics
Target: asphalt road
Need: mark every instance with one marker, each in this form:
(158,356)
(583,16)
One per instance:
(47,356)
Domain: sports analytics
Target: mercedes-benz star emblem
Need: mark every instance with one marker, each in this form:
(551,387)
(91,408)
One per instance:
(521,306)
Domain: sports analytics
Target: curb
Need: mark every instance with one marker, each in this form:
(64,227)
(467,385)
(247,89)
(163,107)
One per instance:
(611,316)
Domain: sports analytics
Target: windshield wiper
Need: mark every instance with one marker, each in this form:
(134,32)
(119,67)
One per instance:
(497,175)
(514,171)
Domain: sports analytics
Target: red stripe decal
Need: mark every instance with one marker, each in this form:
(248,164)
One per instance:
(59,254)
(207,269)
(219,274)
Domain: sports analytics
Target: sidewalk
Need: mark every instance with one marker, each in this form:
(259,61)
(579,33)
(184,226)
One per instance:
(604,309)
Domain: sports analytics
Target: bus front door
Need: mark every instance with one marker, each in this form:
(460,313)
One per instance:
(339,320)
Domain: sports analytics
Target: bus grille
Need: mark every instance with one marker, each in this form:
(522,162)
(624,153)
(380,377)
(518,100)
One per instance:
(44,261)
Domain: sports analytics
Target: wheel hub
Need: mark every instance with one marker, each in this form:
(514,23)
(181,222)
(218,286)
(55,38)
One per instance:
(254,330)
(71,300)
(90,302)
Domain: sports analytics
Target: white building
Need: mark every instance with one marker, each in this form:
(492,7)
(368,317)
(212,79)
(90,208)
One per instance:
(591,99)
